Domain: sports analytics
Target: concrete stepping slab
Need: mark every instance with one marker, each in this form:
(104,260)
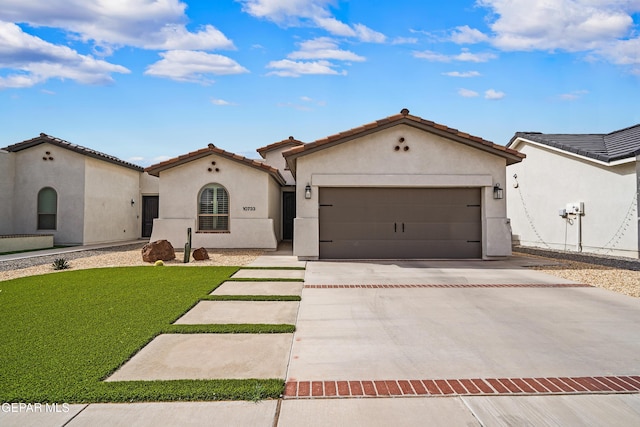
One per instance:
(259,288)
(209,356)
(269,274)
(210,312)
(375,412)
(13,415)
(277,261)
(153,414)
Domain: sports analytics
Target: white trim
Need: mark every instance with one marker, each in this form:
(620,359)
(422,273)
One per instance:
(400,180)
(560,150)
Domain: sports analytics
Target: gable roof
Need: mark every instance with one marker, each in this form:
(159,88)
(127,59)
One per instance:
(404,118)
(618,145)
(44,138)
(285,142)
(212,149)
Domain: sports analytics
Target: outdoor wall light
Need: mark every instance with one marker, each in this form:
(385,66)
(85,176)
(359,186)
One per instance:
(307,192)
(133,202)
(498,193)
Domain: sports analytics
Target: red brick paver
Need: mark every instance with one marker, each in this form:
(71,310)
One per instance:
(462,387)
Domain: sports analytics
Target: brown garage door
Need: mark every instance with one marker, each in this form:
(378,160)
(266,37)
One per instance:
(393,223)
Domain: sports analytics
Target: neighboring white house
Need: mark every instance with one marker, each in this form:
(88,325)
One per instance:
(79,195)
(577,192)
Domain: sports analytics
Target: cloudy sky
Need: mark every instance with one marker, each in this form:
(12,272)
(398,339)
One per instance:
(149,79)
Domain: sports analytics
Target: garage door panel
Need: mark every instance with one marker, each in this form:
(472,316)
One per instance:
(378,223)
(415,249)
(358,230)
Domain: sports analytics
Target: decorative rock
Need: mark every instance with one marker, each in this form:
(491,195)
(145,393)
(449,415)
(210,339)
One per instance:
(158,250)
(200,254)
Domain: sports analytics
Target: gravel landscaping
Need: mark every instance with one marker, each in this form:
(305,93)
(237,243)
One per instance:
(614,273)
(118,256)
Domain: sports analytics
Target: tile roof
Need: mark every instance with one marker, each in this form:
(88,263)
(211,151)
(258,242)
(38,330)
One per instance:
(212,149)
(44,138)
(289,141)
(618,145)
(512,156)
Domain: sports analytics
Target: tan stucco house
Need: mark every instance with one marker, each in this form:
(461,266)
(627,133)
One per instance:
(401,187)
(49,186)
(577,192)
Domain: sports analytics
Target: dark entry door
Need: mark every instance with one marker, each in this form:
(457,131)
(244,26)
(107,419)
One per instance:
(393,223)
(149,213)
(288,214)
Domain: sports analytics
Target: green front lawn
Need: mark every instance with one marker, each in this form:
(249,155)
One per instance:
(61,334)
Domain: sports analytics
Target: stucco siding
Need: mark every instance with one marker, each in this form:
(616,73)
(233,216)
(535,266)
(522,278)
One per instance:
(429,161)
(548,180)
(275,207)
(249,223)
(65,174)
(7,176)
(109,214)
(149,185)
(274,158)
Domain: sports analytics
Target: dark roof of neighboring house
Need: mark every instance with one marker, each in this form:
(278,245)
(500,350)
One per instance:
(512,156)
(48,139)
(617,145)
(285,142)
(212,149)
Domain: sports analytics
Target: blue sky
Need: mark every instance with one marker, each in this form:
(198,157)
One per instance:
(146,80)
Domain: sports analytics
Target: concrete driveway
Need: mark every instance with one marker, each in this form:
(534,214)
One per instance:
(462,328)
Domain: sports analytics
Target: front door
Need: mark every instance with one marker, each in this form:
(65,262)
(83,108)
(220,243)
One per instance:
(149,213)
(288,214)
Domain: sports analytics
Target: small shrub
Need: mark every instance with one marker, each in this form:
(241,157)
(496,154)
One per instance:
(60,264)
(159,263)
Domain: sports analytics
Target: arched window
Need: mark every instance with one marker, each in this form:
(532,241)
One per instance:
(47,208)
(213,208)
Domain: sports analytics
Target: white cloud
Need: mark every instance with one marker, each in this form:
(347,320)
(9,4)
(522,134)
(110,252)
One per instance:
(37,61)
(193,66)
(309,12)
(463,74)
(139,23)
(220,102)
(404,40)
(288,68)
(463,56)
(468,35)
(467,93)
(602,27)
(323,48)
(493,94)
(572,96)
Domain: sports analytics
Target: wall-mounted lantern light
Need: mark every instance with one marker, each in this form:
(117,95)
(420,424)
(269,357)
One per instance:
(133,202)
(498,193)
(307,192)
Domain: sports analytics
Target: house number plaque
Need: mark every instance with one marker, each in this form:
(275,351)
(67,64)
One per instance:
(248,208)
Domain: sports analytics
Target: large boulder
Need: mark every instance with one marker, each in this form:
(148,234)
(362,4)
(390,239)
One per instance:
(200,254)
(158,250)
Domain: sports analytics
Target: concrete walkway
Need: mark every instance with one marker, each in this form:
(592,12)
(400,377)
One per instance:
(429,343)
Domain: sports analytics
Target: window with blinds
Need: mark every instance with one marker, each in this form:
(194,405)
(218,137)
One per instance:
(47,208)
(213,209)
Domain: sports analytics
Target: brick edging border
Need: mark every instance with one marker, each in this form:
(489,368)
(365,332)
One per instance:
(453,285)
(462,387)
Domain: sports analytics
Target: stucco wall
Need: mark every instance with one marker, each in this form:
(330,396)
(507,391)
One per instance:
(431,161)
(274,158)
(7,176)
(548,180)
(149,185)
(275,207)
(250,223)
(65,174)
(109,214)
